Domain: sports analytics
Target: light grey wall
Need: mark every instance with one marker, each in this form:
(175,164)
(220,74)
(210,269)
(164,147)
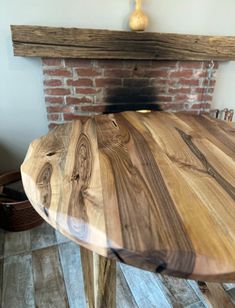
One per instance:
(22,110)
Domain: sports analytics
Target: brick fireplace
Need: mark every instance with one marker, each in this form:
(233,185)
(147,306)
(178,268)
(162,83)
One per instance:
(76,88)
(92,71)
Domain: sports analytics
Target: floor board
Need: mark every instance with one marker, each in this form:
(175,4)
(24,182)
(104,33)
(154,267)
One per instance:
(41,268)
(1,279)
(2,237)
(179,292)
(42,236)
(61,238)
(48,279)
(194,285)
(73,277)
(18,289)
(230,288)
(124,297)
(16,243)
(139,284)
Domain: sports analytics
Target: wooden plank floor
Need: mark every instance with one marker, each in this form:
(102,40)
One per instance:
(41,268)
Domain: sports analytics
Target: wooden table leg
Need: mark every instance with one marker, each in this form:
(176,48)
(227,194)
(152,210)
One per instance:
(215,295)
(99,275)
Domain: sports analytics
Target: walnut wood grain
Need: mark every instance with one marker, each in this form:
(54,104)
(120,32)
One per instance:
(36,41)
(88,275)
(99,275)
(153,190)
(215,295)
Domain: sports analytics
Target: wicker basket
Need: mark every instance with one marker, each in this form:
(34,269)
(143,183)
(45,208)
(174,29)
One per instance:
(16,212)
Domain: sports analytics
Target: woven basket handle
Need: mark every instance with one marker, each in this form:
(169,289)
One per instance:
(9,193)
(9,177)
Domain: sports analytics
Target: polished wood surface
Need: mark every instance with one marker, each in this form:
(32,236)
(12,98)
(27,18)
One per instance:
(215,295)
(99,279)
(153,190)
(57,42)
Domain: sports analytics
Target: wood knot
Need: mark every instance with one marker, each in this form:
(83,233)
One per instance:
(51,153)
(44,175)
(114,123)
(161,267)
(76,177)
(84,159)
(44,185)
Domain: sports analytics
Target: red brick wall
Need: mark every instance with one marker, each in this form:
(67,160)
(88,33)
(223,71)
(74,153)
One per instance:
(75,88)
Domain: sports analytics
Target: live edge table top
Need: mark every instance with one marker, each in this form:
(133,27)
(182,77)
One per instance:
(153,190)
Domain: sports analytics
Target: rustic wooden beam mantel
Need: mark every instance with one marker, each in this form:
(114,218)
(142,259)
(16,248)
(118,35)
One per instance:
(35,41)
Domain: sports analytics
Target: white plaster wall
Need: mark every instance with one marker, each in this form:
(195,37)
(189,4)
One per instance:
(22,110)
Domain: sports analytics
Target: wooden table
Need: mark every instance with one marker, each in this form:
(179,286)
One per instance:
(153,190)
